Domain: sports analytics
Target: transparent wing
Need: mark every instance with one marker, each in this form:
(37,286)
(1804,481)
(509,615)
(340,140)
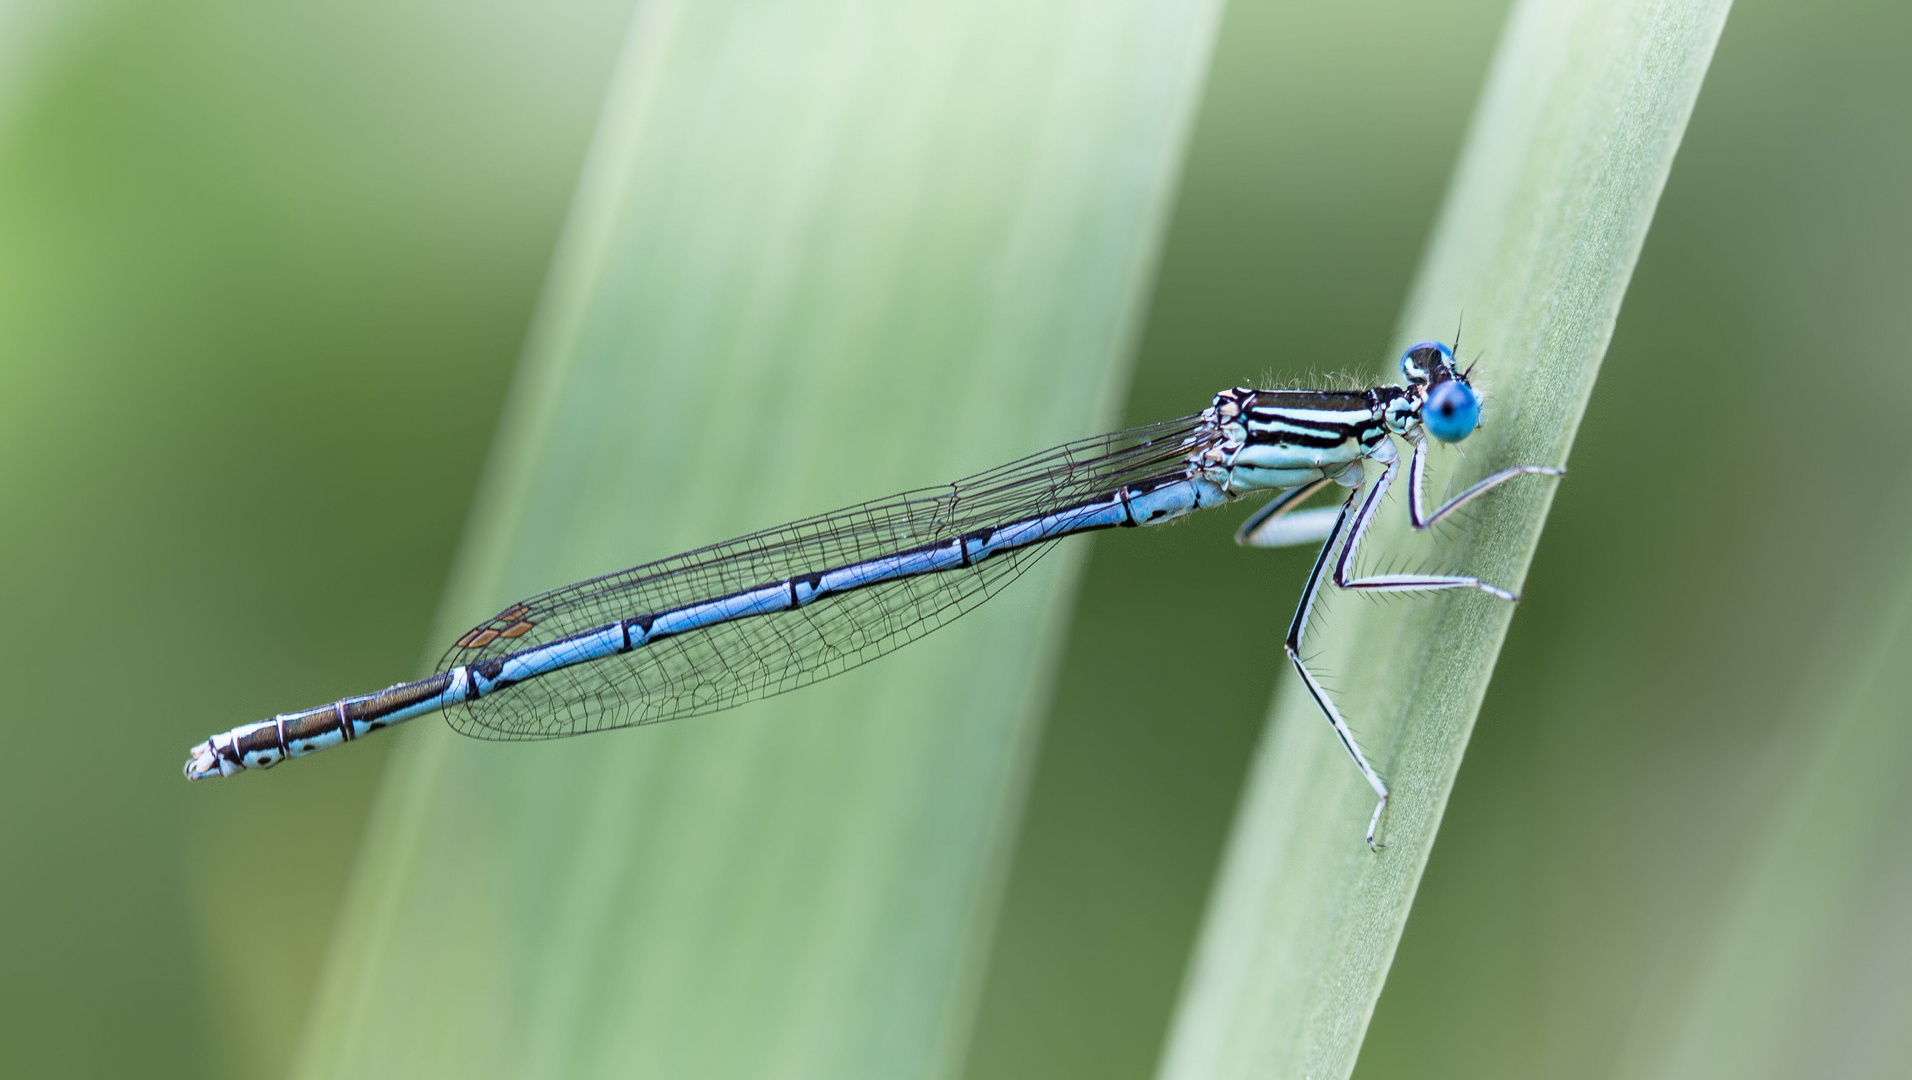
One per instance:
(746,659)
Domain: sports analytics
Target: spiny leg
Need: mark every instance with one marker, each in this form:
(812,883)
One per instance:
(1255,532)
(1315,689)
(1276,524)
(1357,530)
(1417,515)
(1417,471)
(1398,582)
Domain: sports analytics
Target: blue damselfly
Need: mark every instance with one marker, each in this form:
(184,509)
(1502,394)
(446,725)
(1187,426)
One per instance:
(782,608)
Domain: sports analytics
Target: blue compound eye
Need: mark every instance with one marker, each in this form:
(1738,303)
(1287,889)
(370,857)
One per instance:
(1452,412)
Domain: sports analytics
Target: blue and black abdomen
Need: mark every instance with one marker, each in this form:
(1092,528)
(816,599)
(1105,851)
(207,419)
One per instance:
(781,608)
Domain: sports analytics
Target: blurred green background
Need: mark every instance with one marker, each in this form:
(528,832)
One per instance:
(263,276)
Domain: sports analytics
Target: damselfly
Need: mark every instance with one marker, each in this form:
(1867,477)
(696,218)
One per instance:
(783,608)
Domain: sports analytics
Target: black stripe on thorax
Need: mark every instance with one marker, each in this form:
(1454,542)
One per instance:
(1275,422)
(1306,440)
(1351,401)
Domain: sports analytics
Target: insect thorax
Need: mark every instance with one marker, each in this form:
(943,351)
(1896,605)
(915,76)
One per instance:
(1278,439)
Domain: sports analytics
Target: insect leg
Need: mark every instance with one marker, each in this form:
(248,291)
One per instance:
(1344,566)
(1315,689)
(1354,524)
(1276,524)
(1416,510)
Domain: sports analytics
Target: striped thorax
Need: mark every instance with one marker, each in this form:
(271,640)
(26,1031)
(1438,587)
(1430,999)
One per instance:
(1275,440)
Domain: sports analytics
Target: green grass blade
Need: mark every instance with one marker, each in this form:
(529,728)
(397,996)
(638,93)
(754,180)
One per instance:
(823,251)
(1567,156)
(33,36)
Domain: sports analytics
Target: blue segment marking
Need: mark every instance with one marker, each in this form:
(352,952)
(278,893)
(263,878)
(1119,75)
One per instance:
(723,609)
(907,564)
(532,663)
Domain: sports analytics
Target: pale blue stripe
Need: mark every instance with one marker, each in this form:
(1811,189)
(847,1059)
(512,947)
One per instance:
(856,575)
(724,609)
(558,654)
